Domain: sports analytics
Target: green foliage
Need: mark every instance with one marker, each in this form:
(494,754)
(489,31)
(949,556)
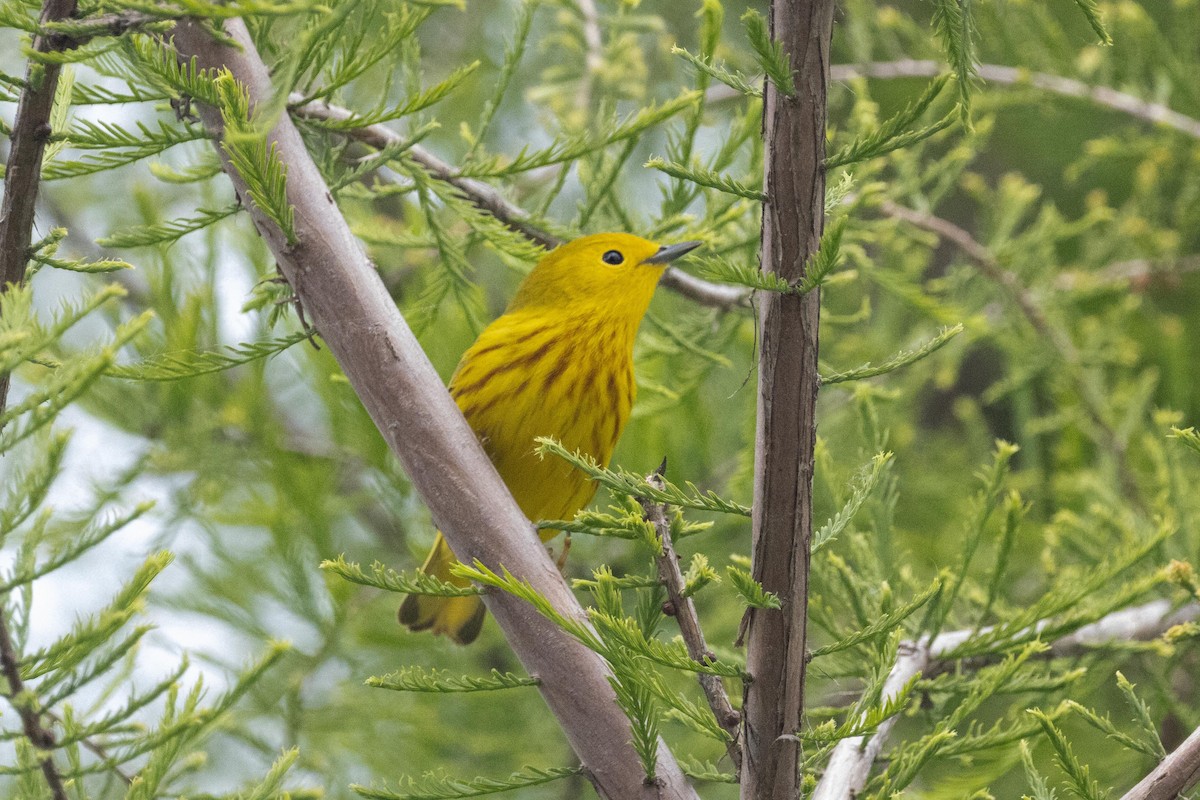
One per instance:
(624,482)
(705,178)
(900,359)
(174,367)
(167,232)
(153,728)
(894,134)
(415,679)
(771,58)
(954,24)
(244,142)
(382,577)
(443,788)
(1054,240)
(750,590)
(1081,784)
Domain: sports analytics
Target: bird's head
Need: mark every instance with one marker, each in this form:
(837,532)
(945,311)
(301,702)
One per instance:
(612,271)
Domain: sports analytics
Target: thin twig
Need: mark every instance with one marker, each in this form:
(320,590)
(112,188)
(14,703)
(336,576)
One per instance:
(683,610)
(990,266)
(1138,273)
(78,32)
(850,764)
(99,751)
(487,198)
(38,735)
(1155,113)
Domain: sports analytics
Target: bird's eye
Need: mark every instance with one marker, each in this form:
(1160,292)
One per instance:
(612,257)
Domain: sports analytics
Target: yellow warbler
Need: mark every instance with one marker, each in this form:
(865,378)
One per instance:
(558,363)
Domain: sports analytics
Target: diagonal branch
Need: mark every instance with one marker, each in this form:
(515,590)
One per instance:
(487,198)
(850,764)
(410,406)
(1173,776)
(684,611)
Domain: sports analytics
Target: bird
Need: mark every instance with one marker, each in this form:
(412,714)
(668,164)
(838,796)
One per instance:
(558,363)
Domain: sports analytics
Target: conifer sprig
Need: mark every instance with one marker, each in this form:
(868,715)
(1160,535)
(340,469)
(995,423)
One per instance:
(895,133)
(897,361)
(705,177)
(1082,785)
(632,485)
(575,147)
(771,57)
(747,85)
(167,232)
(865,480)
(435,787)
(416,679)
(193,363)
(383,577)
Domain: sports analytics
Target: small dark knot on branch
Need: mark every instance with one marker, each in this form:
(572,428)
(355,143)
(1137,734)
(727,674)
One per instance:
(668,608)
(43,132)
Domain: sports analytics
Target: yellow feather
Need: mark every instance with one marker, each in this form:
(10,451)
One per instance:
(558,363)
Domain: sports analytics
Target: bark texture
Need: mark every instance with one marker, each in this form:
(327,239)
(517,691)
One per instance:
(793,220)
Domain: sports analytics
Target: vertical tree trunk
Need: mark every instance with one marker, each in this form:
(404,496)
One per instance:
(793,219)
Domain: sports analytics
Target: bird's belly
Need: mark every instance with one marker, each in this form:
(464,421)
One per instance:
(585,413)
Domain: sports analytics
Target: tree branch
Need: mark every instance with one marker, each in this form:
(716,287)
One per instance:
(850,764)
(488,198)
(349,305)
(1174,775)
(684,611)
(792,222)
(1155,113)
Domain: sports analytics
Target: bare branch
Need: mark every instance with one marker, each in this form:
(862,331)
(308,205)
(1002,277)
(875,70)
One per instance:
(1155,113)
(850,764)
(349,305)
(684,611)
(792,222)
(488,198)
(1174,775)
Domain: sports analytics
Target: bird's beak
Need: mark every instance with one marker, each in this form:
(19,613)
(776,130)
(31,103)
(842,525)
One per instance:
(668,253)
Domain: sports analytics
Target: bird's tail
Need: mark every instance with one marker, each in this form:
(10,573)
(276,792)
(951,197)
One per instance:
(460,618)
